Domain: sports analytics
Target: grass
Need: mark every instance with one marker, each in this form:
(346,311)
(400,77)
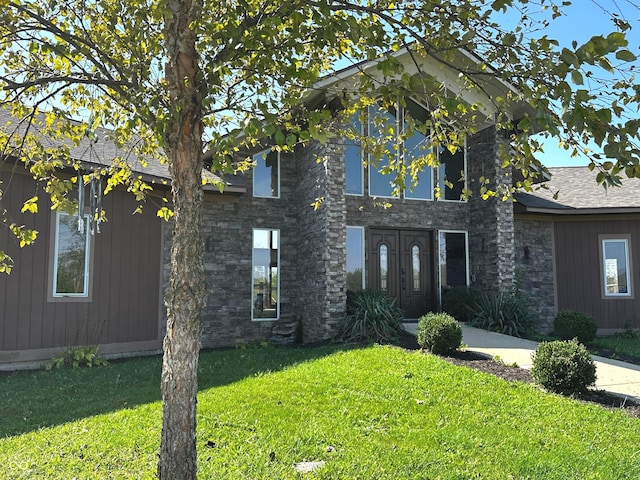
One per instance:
(620,344)
(377,412)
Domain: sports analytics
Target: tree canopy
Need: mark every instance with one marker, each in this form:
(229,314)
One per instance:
(172,79)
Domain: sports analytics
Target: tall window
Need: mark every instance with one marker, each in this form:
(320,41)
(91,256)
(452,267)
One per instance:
(266,174)
(390,125)
(416,146)
(266,275)
(383,124)
(71,257)
(354,169)
(355,258)
(615,267)
(454,260)
(451,174)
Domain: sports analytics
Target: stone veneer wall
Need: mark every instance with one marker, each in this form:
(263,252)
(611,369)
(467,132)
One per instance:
(313,249)
(491,234)
(534,243)
(230,221)
(322,277)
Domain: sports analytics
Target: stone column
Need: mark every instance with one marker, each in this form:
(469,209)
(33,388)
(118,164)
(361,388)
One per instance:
(491,232)
(322,246)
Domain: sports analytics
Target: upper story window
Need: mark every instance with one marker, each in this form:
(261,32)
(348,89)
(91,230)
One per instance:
(615,267)
(402,146)
(266,174)
(452,173)
(71,257)
(353,163)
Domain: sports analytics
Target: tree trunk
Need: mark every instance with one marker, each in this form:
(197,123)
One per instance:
(185,297)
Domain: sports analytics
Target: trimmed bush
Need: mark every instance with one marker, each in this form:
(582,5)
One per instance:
(439,333)
(563,366)
(459,302)
(371,317)
(569,324)
(508,314)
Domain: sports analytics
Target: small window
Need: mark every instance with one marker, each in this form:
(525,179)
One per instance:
(266,275)
(354,169)
(355,258)
(615,263)
(266,174)
(452,174)
(71,257)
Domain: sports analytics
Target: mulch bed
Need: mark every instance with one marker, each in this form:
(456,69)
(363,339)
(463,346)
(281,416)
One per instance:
(514,374)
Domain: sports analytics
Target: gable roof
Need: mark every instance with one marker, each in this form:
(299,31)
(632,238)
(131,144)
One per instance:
(579,193)
(487,85)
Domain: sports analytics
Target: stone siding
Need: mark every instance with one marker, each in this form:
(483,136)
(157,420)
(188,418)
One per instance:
(534,241)
(491,240)
(312,267)
(228,225)
(322,276)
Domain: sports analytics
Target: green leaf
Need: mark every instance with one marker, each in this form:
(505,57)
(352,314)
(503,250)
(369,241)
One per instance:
(576,77)
(570,58)
(626,56)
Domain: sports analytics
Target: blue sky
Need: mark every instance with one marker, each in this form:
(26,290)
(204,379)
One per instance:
(584,19)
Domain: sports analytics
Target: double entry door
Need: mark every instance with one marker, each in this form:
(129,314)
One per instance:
(400,262)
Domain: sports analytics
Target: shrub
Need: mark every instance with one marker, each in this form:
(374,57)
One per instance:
(371,316)
(439,333)
(459,302)
(76,357)
(508,314)
(569,324)
(563,366)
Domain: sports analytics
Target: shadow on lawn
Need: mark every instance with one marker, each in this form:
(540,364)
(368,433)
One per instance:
(36,399)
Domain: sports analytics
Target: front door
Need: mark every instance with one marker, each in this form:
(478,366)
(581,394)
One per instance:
(400,262)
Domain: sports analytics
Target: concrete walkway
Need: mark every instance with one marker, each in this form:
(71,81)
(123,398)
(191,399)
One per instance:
(619,378)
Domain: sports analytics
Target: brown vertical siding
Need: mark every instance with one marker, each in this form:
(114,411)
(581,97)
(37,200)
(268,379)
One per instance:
(579,282)
(125,294)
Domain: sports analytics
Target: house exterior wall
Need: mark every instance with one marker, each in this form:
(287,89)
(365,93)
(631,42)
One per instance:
(229,222)
(312,271)
(561,269)
(534,245)
(312,267)
(123,312)
(579,274)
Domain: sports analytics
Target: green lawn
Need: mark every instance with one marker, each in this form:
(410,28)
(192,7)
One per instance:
(377,412)
(619,344)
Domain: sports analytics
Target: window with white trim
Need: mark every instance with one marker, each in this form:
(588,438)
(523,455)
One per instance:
(71,257)
(453,259)
(265,282)
(615,267)
(266,174)
(355,258)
